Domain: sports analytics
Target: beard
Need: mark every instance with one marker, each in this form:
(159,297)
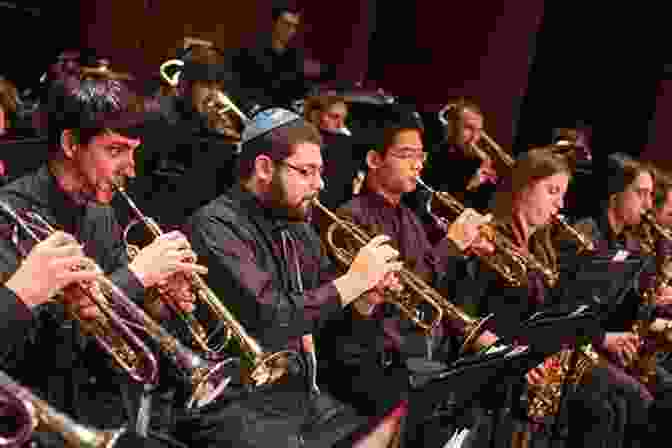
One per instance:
(277,200)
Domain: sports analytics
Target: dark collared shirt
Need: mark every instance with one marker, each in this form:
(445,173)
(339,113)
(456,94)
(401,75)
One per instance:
(270,271)
(434,264)
(47,333)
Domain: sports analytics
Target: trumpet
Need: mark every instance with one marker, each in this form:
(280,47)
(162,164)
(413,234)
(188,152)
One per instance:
(204,378)
(415,292)
(258,365)
(110,331)
(513,269)
(33,413)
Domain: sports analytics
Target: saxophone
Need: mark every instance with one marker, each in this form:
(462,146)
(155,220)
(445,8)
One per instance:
(543,400)
(570,365)
(643,367)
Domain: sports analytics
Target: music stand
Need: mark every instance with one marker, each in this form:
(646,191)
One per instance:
(469,375)
(546,332)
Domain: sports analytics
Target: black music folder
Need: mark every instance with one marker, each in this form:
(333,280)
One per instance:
(612,279)
(473,372)
(547,331)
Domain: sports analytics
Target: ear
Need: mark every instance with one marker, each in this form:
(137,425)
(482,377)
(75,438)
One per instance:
(263,168)
(374,159)
(69,144)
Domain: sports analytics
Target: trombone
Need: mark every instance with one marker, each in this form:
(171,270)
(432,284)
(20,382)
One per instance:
(490,150)
(204,378)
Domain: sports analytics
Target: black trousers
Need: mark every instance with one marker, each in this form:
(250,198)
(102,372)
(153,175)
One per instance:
(271,416)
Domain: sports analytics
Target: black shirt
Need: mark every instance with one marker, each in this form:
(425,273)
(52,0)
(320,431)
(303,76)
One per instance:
(52,341)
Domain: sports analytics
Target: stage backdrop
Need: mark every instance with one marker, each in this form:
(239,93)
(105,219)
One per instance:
(424,50)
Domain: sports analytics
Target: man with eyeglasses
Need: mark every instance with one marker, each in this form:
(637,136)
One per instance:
(265,260)
(370,343)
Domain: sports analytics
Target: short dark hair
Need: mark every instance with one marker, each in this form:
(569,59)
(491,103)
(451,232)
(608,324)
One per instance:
(93,107)
(278,144)
(397,119)
(281,7)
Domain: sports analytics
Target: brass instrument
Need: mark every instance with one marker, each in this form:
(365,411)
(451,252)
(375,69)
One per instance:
(585,243)
(415,292)
(223,116)
(259,366)
(508,261)
(173,80)
(204,378)
(643,367)
(34,414)
(544,399)
(489,149)
(110,331)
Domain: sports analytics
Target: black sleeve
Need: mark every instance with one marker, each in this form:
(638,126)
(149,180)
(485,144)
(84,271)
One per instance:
(15,318)
(275,314)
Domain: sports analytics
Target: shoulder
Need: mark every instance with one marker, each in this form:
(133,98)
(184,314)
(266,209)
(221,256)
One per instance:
(358,208)
(221,219)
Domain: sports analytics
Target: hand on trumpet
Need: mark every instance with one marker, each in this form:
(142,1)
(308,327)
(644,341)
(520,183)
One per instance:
(367,303)
(625,345)
(166,255)
(49,267)
(664,295)
(535,376)
(465,232)
(369,268)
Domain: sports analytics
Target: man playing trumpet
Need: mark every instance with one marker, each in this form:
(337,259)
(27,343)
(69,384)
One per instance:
(94,133)
(266,259)
(369,341)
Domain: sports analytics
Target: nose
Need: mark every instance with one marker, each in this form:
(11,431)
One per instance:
(647,204)
(318,182)
(129,169)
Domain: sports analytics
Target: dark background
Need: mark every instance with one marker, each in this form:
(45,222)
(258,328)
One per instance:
(532,64)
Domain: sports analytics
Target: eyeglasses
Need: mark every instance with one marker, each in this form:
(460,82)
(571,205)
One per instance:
(306,172)
(407,154)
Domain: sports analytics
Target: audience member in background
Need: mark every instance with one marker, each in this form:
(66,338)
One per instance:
(278,72)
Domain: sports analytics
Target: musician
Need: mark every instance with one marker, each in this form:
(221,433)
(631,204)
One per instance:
(94,137)
(276,70)
(8,99)
(267,261)
(358,344)
(663,199)
(341,158)
(194,143)
(523,206)
(328,113)
(456,167)
(629,192)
